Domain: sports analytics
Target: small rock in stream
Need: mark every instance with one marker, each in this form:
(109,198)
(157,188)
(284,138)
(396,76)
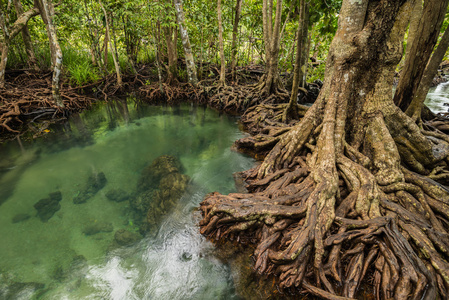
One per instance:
(124,237)
(20,218)
(98,227)
(94,183)
(47,207)
(117,195)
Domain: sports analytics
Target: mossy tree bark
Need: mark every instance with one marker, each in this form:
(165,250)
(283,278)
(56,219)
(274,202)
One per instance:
(350,189)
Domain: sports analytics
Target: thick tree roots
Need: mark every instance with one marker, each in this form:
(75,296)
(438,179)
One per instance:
(172,94)
(22,104)
(327,221)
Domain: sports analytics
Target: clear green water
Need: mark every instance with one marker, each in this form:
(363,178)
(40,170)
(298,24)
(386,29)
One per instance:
(120,140)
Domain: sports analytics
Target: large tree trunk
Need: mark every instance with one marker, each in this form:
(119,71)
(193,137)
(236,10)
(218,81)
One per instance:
(26,36)
(349,191)
(423,38)
(414,110)
(191,67)
(235,28)
(47,12)
(221,44)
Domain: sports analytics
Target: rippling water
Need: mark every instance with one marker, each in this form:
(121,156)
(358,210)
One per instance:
(57,260)
(438,98)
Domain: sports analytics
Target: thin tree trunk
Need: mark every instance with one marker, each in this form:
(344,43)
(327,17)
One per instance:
(5,49)
(414,110)
(32,61)
(105,53)
(424,40)
(9,34)
(305,47)
(191,68)
(4,60)
(220,41)
(299,50)
(292,105)
(47,12)
(270,82)
(170,39)
(117,67)
(238,8)
(93,34)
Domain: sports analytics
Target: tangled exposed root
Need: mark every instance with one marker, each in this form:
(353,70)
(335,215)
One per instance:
(172,94)
(237,99)
(327,221)
(22,104)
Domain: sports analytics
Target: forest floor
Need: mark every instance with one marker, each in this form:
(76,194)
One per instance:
(26,103)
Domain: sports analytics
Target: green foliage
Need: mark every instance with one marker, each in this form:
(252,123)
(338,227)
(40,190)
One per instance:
(315,73)
(79,67)
(138,27)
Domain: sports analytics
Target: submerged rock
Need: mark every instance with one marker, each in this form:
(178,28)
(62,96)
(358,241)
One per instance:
(159,168)
(142,201)
(124,237)
(20,218)
(20,290)
(160,187)
(55,196)
(47,207)
(117,195)
(94,183)
(98,227)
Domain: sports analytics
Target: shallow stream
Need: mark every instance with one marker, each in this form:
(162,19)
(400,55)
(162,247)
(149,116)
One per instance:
(57,254)
(57,257)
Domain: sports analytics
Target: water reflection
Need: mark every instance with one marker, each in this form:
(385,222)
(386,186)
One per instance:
(61,259)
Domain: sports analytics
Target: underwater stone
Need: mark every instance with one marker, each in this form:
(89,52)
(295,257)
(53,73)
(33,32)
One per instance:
(95,182)
(142,201)
(160,187)
(159,168)
(124,237)
(98,227)
(117,195)
(20,218)
(20,290)
(47,207)
(55,196)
